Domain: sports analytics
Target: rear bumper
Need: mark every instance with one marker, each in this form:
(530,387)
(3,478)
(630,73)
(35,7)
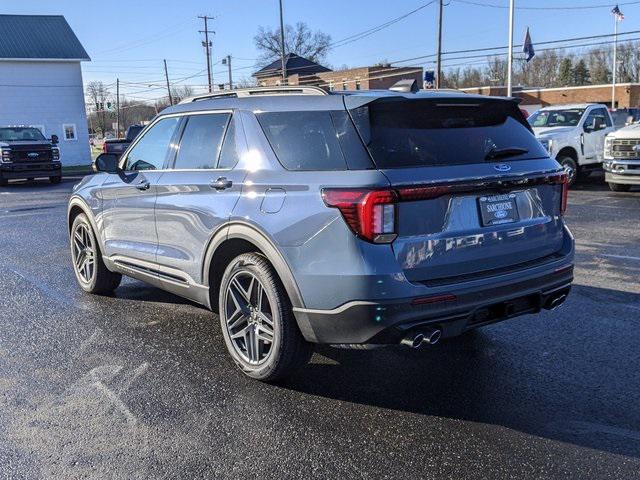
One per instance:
(30,170)
(467,308)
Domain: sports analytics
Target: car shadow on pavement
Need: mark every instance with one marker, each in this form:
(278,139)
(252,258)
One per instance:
(574,380)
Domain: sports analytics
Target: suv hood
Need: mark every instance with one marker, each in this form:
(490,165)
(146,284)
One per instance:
(552,131)
(631,131)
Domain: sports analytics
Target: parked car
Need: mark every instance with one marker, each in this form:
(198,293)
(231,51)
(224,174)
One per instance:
(304,217)
(574,135)
(623,117)
(622,158)
(117,146)
(25,153)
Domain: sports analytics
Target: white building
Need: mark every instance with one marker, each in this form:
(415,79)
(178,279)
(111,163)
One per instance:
(41,81)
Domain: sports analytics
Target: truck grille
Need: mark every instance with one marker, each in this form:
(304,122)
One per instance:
(625,148)
(35,155)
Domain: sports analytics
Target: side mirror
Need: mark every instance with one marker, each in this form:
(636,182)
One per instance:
(588,128)
(54,139)
(106,162)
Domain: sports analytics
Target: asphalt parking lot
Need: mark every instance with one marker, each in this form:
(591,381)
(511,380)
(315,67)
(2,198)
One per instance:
(140,385)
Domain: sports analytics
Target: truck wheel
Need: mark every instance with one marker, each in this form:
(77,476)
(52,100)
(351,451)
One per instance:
(259,329)
(91,272)
(571,167)
(619,187)
(55,180)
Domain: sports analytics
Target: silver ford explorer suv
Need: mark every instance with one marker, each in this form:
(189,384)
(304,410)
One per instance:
(305,217)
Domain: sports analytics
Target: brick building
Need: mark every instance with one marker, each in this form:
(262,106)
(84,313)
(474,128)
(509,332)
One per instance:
(627,95)
(301,71)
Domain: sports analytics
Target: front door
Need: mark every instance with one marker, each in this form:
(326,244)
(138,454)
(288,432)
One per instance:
(596,126)
(197,195)
(129,196)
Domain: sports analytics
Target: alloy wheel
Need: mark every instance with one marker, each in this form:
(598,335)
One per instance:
(84,253)
(249,318)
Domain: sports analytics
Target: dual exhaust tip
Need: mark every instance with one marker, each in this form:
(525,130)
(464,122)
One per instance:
(429,336)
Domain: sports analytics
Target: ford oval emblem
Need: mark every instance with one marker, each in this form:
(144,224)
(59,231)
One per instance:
(503,167)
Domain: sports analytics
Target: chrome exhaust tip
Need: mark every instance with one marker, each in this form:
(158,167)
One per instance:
(416,340)
(556,302)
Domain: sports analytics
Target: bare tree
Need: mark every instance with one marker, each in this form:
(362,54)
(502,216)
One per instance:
(99,95)
(299,39)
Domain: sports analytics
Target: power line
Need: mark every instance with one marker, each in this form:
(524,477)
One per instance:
(583,7)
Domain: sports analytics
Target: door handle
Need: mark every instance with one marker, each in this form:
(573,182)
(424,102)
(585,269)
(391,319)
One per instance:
(143,185)
(222,183)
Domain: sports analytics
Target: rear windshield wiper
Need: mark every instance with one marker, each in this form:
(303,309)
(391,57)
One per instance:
(505,152)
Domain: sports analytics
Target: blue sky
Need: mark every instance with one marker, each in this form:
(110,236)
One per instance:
(129,39)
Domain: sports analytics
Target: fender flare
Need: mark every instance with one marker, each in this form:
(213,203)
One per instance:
(244,231)
(79,202)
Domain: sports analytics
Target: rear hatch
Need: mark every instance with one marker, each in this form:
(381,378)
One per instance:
(476,191)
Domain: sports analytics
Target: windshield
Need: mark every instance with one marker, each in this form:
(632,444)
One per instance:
(16,134)
(431,132)
(556,118)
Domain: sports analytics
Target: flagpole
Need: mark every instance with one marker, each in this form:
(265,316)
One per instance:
(510,60)
(615,62)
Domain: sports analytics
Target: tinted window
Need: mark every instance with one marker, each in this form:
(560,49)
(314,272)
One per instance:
(229,153)
(406,133)
(201,141)
(556,118)
(151,151)
(320,140)
(598,119)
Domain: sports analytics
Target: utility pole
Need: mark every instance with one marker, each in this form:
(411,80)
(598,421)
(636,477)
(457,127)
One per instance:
(166,75)
(439,54)
(510,60)
(117,107)
(207,44)
(614,71)
(282,53)
(227,61)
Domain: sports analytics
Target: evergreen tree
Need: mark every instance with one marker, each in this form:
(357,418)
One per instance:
(581,74)
(565,72)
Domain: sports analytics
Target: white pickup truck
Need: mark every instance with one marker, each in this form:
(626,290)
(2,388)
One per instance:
(622,158)
(574,135)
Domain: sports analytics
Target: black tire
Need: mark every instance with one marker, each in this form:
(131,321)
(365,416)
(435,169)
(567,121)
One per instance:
(101,280)
(55,180)
(3,182)
(619,187)
(572,168)
(287,350)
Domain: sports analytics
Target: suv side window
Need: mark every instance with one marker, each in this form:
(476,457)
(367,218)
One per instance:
(229,153)
(201,141)
(152,149)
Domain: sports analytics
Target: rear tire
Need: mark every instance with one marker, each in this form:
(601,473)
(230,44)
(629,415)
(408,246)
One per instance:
(571,167)
(55,180)
(619,187)
(91,273)
(259,329)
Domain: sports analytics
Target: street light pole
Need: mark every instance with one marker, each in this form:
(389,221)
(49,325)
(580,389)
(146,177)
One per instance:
(510,60)
(439,54)
(282,54)
(614,74)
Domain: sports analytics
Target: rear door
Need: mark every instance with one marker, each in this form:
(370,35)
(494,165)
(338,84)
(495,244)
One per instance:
(476,188)
(197,194)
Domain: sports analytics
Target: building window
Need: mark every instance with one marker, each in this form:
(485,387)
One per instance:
(357,84)
(331,87)
(344,85)
(69,130)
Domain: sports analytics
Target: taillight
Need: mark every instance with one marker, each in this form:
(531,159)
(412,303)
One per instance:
(423,193)
(369,213)
(562,179)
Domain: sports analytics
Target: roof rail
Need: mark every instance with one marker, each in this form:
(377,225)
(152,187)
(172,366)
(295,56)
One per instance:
(257,91)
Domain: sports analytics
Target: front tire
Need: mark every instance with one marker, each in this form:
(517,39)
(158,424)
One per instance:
(259,329)
(571,167)
(619,187)
(55,180)
(91,272)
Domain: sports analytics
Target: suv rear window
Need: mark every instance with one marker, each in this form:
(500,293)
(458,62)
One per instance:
(434,132)
(314,140)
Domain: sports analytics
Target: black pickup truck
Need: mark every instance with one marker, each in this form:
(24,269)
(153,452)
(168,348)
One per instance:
(26,153)
(117,146)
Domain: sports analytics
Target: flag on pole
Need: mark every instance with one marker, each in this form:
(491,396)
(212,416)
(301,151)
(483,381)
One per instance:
(527,47)
(617,13)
